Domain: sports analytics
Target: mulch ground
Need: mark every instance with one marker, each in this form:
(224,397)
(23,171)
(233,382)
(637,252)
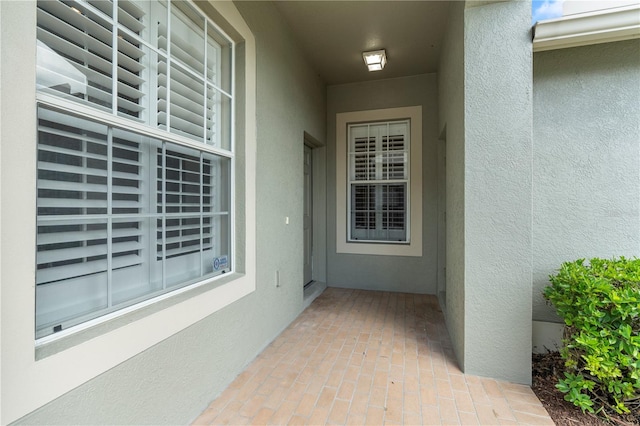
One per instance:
(547,368)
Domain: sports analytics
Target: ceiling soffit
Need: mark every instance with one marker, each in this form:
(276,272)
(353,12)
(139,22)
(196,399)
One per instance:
(333,35)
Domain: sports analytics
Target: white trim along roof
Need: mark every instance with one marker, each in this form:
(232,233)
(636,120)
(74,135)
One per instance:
(601,26)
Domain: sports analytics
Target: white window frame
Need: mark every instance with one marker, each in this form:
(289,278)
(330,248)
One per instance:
(414,222)
(37,376)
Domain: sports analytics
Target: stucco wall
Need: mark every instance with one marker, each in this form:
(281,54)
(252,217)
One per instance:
(498,138)
(376,272)
(291,101)
(485,81)
(586,180)
(172,382)
(451,127)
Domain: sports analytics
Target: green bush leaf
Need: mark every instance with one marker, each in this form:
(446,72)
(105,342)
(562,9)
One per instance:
(599,301)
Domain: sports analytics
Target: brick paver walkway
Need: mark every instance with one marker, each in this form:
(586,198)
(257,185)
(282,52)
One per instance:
(367,357)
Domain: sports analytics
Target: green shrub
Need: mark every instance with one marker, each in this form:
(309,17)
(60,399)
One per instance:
(600,304)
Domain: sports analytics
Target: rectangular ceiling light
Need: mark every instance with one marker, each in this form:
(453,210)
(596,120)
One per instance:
(375,60)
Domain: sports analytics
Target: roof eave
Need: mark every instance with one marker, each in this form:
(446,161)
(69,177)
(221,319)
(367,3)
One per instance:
(602,26)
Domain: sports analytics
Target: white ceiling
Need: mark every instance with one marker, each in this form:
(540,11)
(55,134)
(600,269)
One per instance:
(335,33)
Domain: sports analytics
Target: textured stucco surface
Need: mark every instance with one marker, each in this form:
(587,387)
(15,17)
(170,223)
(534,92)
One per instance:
(586,165)
(485,117)
(172,382)
(375,272)
(451,126)
(497,224)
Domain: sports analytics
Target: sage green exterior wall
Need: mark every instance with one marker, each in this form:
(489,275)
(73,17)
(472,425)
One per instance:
(174,381)
(498,137)
(451,128)
(586,179)
(376,272)
(486,115)
(291,101)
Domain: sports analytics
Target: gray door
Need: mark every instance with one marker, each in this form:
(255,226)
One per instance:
(308,216)
(442,222)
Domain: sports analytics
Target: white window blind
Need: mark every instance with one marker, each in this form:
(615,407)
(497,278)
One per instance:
(171,67)
(192,83)
(124,216)
(378,181)
(80,58)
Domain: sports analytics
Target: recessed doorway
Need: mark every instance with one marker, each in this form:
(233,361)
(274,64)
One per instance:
(308,215)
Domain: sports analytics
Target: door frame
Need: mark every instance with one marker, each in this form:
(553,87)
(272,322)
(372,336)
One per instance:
(319,206)
(307,210)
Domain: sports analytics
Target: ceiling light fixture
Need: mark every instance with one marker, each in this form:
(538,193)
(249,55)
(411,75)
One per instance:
(375,60)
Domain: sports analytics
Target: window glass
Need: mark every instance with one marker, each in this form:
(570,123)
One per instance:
(179,81)
(378,181)
(75,52)
(122,216)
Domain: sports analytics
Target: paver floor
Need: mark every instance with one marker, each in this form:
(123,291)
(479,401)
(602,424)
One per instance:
(367,357)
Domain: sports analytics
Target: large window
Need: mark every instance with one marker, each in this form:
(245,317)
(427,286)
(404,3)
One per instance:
(378,181)
(135,155)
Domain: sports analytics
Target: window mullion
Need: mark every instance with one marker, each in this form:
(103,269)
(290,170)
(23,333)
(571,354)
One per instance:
(387,152)
(378,188)
(149,73)
(86,64)
(378,209)
(369,212)
(85,181)
(205,85)
(169,62)
(202,209)
(109,217)
(114,59)
(163,243)
(233,104)
(379,157)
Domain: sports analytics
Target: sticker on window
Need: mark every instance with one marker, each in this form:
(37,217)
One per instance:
(220,263)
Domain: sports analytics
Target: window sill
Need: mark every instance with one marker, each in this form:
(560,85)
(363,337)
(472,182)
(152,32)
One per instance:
(81,336)
(380,249)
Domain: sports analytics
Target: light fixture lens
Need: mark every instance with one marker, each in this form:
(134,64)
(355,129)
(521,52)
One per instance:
(375,60)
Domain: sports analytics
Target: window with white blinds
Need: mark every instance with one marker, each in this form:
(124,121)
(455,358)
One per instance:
(123,214)
(160,63)
(378,181)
